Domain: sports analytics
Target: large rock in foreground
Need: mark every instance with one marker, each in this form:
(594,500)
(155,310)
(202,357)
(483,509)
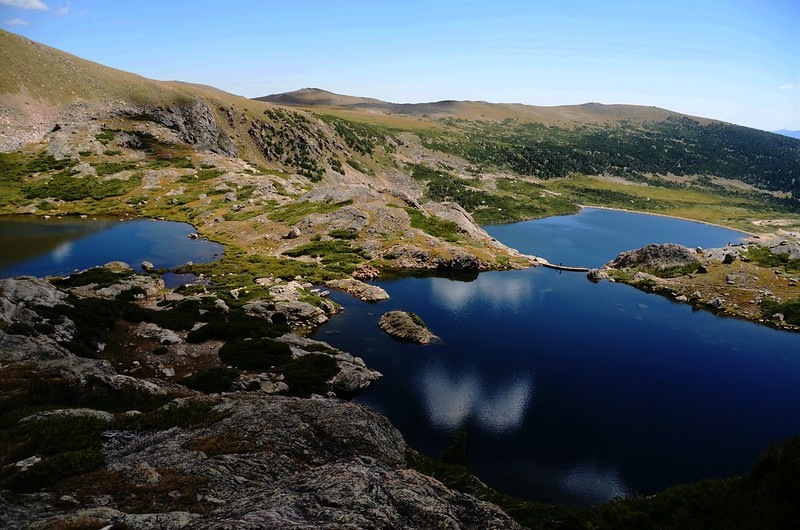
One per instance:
(264,462)
(405,326)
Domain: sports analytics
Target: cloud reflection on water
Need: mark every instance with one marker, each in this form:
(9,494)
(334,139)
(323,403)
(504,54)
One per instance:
(450,399)
(496,290)
(62,251)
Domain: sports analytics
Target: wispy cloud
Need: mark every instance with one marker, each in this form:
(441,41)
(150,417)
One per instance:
(16,22)
(790,86)
(63,10)
(26,4)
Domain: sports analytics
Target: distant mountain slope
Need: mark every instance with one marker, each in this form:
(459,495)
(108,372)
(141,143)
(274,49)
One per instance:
(790,134)
(342,139)
(625,140)
(565,115)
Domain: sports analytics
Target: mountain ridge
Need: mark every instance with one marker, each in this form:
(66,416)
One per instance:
(589,112)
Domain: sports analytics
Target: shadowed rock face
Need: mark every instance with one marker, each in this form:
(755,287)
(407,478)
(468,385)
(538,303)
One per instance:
(195,124)
(655,257)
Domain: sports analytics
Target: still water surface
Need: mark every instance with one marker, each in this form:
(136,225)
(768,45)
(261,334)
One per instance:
(577,392)
(60,246)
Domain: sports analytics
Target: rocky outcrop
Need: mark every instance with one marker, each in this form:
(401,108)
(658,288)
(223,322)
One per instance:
(725,255)
(353,376)
(362,291)
(195,124)
(598,275)
(19,295)
(365,272)
(452,211)
(655,257)
(267,462)
(447,257)
(405,326)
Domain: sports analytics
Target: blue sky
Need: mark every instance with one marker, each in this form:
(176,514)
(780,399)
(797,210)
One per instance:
(737,61)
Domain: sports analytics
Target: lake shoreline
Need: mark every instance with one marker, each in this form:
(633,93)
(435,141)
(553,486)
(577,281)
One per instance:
(615,209)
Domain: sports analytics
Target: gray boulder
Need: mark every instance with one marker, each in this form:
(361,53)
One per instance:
(362,291)
(17,295)
(405,326)
(655,256)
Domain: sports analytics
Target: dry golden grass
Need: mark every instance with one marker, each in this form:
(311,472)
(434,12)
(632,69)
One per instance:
(52,76)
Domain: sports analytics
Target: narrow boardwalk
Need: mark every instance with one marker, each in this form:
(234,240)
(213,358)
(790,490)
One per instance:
(565,267)
(544,263)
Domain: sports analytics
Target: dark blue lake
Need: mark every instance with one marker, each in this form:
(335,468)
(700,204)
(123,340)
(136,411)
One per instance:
(577,392)
(59,246)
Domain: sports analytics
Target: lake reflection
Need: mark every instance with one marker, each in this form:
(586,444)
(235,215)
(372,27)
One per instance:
(577,392)
(59,246)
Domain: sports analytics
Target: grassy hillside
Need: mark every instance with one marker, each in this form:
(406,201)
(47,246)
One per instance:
(632,142)
(51,76)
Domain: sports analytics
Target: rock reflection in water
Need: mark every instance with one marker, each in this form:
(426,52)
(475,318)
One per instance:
(453,398)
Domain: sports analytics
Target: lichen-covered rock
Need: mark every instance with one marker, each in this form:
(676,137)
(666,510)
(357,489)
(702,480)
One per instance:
(148,330)
(597,275)
(362,291)
(405,326)
(19,295)
(653,256)
(365,272)
(358,493)
(267,462)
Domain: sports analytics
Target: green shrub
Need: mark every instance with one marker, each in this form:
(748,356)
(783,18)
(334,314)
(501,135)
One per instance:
(309,374)
(433,225)
(765,258)
(343,233)
(212,381)
(132,293)
(201,175)
(66,446)
(255,354)
(674,272)
(109,168)
(237,325)
(294,212)
(416,319)
(790,310)
(317,249)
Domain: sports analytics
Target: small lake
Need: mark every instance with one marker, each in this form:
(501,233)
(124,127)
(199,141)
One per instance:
(60,246)
(577,392)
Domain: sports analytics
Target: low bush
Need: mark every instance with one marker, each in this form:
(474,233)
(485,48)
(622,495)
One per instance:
(435,226)
(212,381)
(255,354)
(309,374)
(342,233)
(65,447)
(101,276)
(766,258)
(790,310)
